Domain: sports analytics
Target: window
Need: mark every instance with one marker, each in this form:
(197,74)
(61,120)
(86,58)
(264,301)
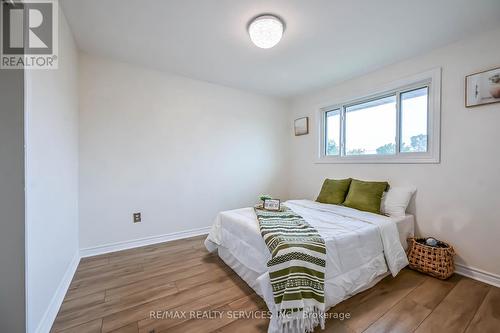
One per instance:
(333,132)
(398,125)
(414,109)
(370,127)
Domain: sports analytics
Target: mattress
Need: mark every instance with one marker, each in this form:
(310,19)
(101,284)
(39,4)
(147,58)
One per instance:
(360,246)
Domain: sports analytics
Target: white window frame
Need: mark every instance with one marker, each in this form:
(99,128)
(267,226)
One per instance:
(431,79)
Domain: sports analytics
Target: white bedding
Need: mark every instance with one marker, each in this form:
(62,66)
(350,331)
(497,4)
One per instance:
(361,247)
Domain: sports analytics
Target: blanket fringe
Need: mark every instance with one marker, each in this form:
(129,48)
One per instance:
(302,321)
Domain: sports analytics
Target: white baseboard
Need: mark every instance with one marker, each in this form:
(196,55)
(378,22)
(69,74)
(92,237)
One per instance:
(478,274)
(50,314)
(102,249)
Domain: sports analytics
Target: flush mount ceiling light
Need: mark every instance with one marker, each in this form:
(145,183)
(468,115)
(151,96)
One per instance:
(266,31)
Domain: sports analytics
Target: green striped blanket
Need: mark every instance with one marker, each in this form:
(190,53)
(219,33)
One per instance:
(296,268)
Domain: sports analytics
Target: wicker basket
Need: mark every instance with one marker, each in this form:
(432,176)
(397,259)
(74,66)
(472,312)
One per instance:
(435,261)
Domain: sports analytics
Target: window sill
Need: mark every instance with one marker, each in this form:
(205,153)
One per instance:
(422,159)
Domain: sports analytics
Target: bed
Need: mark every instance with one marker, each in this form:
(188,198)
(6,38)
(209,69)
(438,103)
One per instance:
(362,248)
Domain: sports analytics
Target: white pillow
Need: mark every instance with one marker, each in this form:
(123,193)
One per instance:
(395,201)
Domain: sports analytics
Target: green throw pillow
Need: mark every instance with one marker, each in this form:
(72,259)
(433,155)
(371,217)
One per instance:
(365,195)
(334,191)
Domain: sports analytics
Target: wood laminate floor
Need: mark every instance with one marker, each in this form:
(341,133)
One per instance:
(119,292)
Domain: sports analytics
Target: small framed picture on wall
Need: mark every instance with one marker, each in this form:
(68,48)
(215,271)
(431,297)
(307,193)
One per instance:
(272,204)
(301,126)
(482,88)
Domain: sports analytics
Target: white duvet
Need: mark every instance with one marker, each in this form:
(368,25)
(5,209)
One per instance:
(360,247)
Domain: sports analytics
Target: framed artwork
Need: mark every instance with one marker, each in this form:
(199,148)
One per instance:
(482,88)
(301,126)
(272,204)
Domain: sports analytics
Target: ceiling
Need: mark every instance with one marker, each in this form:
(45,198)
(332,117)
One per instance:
(325,41)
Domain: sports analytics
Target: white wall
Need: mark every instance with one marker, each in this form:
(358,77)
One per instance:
(175,149)
(51,179)
(458,199)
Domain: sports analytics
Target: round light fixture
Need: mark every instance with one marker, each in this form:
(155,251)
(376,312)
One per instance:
(266,31)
